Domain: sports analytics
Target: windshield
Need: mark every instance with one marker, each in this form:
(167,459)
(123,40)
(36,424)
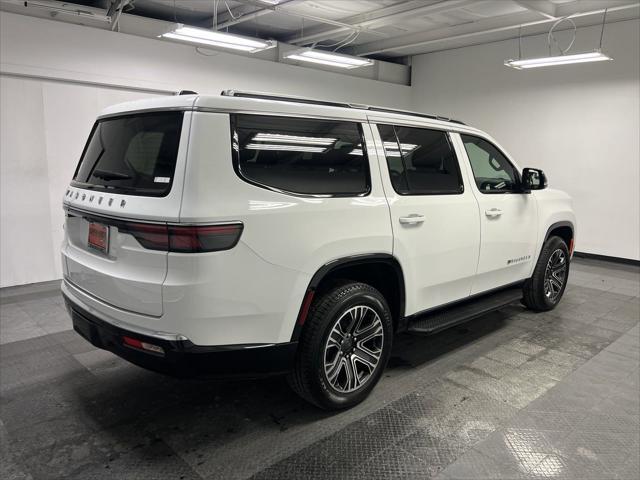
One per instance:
(134,154)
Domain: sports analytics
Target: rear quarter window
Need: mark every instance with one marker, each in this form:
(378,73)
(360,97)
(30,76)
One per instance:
(301,156)
(133,154)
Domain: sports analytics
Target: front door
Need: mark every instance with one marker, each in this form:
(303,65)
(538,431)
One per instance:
(434,215)
(508,217)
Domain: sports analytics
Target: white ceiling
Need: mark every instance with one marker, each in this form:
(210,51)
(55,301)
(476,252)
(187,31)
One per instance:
(383,29)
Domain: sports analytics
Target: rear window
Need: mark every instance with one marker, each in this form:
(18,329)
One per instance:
(302,156)
(134,154)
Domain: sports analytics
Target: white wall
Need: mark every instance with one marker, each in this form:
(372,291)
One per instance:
(56,77)
(580,123)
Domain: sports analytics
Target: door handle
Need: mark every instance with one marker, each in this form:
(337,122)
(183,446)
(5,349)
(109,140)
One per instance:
(413,219)
(494,212)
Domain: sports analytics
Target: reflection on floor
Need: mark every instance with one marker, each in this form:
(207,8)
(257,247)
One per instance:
(509,395)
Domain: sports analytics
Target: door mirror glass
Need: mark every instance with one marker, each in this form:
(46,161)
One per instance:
(534,179)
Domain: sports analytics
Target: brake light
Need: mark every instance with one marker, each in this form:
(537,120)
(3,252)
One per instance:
(184,238)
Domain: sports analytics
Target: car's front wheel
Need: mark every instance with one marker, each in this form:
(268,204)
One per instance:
(344,346)
(546,286)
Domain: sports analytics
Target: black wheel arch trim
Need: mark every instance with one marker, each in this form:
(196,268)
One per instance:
(350,261)
(553,226)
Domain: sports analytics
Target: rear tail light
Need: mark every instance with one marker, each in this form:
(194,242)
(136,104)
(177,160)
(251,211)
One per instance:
(210,238)
(149,235)
(184,238)
(140,345)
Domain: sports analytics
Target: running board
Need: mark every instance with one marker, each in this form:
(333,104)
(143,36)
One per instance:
(445,317)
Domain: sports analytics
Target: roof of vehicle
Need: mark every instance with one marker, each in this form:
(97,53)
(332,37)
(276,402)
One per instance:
(271,103)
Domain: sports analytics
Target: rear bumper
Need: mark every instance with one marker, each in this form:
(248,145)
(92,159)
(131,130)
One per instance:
(181,357)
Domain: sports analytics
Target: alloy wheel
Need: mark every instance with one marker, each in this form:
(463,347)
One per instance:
(555,275)
(353,349)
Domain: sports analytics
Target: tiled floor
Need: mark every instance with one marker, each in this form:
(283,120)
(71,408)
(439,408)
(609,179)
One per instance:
(510,395)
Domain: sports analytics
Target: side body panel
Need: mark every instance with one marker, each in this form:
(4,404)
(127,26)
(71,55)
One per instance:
(439,256)
(509,232)
(253,293)
(554,208)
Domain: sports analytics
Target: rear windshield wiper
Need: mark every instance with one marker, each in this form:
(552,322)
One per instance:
(108,175)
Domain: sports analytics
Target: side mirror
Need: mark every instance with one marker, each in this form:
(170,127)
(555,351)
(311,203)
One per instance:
(533,179)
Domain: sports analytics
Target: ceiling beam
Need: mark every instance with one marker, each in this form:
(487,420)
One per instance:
(278,8)
(321,33)
(572,8)
(247,11)
(380,17)
(542,7)
(476,29)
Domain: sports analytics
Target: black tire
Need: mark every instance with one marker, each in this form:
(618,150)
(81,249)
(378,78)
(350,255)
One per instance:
(309,378)
(536,296)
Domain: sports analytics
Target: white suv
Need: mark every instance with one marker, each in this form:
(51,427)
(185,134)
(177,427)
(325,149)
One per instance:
(253,233)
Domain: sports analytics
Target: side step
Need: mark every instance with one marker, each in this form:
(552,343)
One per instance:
(445,317)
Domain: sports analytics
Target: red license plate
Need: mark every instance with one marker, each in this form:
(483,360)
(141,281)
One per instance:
(98,237)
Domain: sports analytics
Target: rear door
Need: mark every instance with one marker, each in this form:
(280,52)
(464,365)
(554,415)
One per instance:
(508,217)
(434,215)
(131,170)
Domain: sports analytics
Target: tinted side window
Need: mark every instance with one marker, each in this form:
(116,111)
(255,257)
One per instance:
(394,159)
(491,169)
(421,161)
(297,155)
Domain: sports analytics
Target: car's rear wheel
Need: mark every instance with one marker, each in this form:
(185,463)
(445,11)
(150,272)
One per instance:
(543,291)
(344,346)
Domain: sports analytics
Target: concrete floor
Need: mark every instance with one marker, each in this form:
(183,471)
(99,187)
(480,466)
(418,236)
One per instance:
(510,395)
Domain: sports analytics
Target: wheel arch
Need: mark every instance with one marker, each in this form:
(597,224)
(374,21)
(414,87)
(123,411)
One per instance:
(563,229)
(374,269)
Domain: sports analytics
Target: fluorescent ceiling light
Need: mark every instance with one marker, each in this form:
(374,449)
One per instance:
(328,58)
(59,7)
(284,148)
(218,39)
(595,56)
(276,137)
(391,148)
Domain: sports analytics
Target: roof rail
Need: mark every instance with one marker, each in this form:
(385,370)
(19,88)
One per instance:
(282,98)
(329,103)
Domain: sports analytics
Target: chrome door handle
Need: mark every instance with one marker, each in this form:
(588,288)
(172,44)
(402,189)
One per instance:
(494,212)
(413,219)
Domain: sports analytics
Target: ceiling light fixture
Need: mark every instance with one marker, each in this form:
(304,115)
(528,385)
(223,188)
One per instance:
(562,58)
(277,137)
(212,38)
(596,56)
(284,148)
(64,9)
(328,58)
(391,148)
